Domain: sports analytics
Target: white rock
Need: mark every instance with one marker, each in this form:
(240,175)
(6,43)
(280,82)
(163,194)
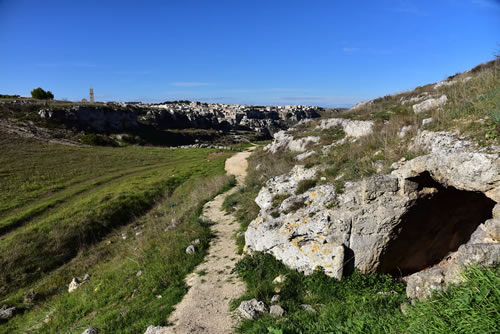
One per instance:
(75,284)
(91,331)
(284,184)
(352,128)
(404,131)
(308,308)
(426,121)
(156,330)
(7,312)
(279,279)
(251,309)
(190,249)
(361,105)
(283,141)
(445,83)
(429,104)
(304,155)
(364,218)
(276,311)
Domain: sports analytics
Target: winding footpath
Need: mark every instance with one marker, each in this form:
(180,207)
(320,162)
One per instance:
(212,285)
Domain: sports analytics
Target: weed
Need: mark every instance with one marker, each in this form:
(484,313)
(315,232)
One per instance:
(304,186)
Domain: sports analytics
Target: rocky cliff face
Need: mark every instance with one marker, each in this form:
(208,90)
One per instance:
(107,119)
(418,217)
(260,121)
(100,119)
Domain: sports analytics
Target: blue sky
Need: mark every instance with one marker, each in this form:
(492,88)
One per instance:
(328,53)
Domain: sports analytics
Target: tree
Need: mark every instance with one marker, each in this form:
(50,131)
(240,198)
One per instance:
(40,94)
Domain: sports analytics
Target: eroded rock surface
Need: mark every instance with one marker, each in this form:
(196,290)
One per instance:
(430,104)
(352,128)
(284,141)
(401,223)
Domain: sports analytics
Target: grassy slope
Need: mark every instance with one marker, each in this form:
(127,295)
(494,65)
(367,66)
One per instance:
(81,229)
(353,305)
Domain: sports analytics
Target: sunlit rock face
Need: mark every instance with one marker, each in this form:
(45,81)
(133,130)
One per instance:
(413,219)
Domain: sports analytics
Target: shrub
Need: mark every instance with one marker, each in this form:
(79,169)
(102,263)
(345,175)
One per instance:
(97,140)
(40,94)
(304,186)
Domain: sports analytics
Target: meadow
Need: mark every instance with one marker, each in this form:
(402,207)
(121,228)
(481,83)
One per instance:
(122,215)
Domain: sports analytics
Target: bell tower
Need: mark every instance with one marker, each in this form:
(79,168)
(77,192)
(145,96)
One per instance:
(91,93)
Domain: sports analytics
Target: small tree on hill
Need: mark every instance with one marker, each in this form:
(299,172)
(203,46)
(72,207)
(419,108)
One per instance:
(40,94)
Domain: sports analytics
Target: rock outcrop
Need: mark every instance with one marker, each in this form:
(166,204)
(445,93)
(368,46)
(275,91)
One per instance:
(284,141)
(264,121)
(352,128)
(251,309)
(401,223)
(100,119)
(429,104)
(7,312)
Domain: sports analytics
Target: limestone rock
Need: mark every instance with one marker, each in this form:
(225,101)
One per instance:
(352,128)
(283,185)
(251,309)
(275,299)
(75,284)
(155,330)
(307,308)
(91,331)
(284,141)
(429,104)
(362,105)
(405,130)
(420,285)
(276,311)
(99,119)
(365,226)
(7,312)
(426,121)
(304,155)
(190,249)
(279,279)
(441,142)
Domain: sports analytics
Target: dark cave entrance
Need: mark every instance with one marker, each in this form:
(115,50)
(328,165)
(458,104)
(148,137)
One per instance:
(440,220)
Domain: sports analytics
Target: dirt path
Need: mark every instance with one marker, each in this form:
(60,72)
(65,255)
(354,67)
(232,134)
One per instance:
(205,308)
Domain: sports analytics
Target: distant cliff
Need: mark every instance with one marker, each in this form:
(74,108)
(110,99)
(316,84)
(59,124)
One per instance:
(264,121)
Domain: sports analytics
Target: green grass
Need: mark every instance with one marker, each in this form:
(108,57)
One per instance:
(356,304)
(471,307)
(367,303)
(73,220)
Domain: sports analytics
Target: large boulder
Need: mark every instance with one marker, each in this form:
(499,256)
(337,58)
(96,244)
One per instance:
(400,223)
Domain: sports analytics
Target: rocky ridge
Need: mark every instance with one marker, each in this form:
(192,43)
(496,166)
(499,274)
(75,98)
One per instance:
(109,118)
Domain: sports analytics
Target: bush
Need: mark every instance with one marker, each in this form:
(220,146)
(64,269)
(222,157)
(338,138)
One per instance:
(304,186)
(40,94)
(97,140)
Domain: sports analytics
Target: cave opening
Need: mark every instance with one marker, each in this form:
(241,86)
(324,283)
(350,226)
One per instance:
(440,220)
